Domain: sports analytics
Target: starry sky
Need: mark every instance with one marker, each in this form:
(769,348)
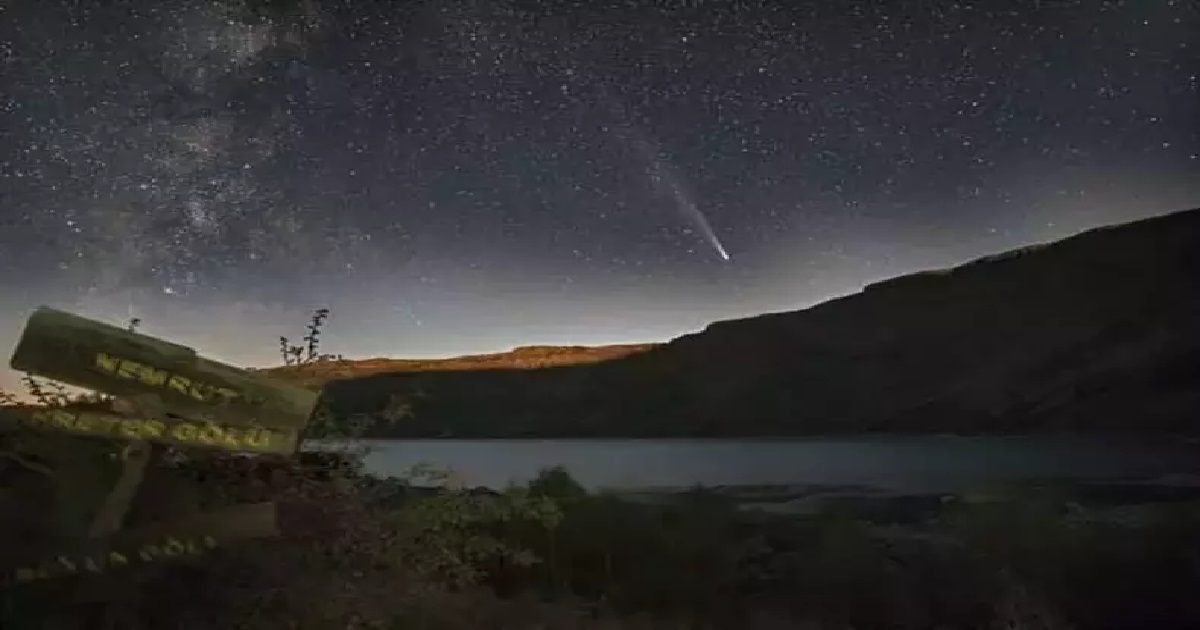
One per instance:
(460,176)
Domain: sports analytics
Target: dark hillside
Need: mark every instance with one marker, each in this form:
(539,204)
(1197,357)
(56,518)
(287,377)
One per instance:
(1100,331)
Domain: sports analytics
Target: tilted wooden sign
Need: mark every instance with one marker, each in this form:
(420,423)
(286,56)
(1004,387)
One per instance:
(177,398)
(218,405)
(180,433)
(180,540)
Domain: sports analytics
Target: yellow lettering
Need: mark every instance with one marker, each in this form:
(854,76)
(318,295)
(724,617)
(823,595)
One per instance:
(209,434)
(129,369)
(130,428)
(43,418)
(199,391)
(40,417)
(66,417)
(149,552)
(154,428)
(167,548)
(232,436)
(173,548)
(47,417)
(258,438)
(153,376)
(70,566)
(107,362)
(56,417)
(158,377)
(179,384)
(184,432)
(198,433)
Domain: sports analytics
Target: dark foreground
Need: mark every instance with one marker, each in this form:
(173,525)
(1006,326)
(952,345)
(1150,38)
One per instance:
(361,552)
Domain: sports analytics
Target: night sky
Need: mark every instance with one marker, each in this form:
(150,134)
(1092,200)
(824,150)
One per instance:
(461,176)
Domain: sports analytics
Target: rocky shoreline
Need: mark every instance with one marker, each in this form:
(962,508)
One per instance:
(1097,499)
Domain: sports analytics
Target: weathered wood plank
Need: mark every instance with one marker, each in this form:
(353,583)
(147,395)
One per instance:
(175,432)
(178,540)
(163,377)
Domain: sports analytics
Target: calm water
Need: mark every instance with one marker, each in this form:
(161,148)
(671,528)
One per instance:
(901,464)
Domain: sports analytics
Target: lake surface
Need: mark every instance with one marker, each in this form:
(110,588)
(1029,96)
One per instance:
(927,464)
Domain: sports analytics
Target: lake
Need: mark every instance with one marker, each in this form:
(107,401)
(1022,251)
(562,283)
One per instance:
(904,465)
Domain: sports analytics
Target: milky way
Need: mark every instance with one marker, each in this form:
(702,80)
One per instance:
(448,177)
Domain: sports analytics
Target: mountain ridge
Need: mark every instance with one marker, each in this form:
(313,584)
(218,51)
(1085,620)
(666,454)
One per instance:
(526,357)
(1061,336)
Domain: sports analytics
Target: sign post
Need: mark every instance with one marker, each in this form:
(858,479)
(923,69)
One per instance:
(177,399)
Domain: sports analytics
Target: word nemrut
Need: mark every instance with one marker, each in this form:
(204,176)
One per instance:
(158,377)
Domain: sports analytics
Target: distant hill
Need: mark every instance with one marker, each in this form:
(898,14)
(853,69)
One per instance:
(1099,331)
(521,357)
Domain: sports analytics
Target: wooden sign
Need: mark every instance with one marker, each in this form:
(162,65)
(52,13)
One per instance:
(166,379)
(172,396)
(180,540)
(183,433)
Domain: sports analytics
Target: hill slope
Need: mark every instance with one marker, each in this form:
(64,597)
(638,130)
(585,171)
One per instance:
(1100,331)
(521,357)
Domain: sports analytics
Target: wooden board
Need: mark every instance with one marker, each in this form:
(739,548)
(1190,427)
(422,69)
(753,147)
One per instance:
(174,432)
(55,484)
(164,378)
(178,540)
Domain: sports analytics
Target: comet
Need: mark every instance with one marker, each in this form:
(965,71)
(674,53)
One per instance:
(665,181)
